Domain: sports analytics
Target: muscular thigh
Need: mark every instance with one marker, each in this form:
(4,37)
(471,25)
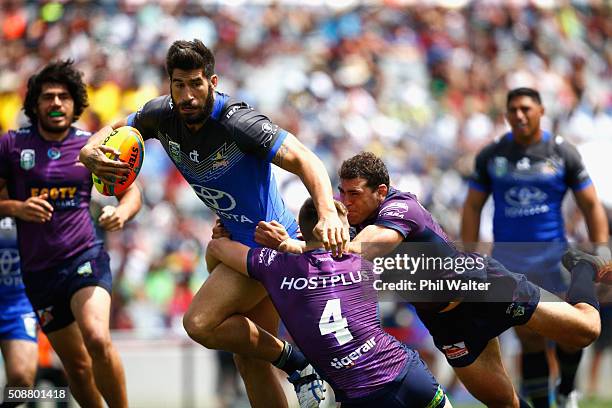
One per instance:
(227,292)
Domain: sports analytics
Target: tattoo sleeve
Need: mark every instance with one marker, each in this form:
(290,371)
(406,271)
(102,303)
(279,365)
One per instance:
(280,155)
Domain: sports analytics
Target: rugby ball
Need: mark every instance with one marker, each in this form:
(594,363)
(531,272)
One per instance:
(128,141)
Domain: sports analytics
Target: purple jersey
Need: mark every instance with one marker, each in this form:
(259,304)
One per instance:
(331,312)
(33,166)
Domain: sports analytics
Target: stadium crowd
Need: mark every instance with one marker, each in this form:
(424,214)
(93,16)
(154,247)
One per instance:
(423,86)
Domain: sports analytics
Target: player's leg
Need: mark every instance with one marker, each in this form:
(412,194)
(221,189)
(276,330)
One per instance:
(91,308)
(212,321)
(68,344)
(260,377)
(497,391)
(20,360)
(534,367)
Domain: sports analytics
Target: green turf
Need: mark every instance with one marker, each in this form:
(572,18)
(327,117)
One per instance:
(583,403)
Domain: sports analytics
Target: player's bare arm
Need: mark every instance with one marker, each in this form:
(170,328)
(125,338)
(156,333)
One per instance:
(34,209)
(93,155)
(114,218)
(274,235)
(595,218)
(470,220)
(374,241)
(294,157)
(231,253)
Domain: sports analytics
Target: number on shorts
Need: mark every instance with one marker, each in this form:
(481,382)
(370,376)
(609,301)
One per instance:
(333,322)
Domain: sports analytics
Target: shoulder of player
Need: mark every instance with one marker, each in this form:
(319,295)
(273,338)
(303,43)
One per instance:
(562,145)
(398,202)
(13,135)
(80,133)
(228,109)
(496,147)
(158,106)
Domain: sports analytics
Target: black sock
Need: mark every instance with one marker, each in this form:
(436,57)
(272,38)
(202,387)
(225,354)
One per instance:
(582,285)
(568,366)
(535,378)
(291,359)
(523,403)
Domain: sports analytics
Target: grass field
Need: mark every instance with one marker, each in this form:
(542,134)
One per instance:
(583,403)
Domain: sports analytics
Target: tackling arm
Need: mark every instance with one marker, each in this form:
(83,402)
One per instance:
(231,253)
(375,241)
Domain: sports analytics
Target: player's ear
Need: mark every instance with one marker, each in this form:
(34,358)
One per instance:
(382,190)
(214,79)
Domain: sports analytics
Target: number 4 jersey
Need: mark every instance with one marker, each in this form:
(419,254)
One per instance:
(330,310)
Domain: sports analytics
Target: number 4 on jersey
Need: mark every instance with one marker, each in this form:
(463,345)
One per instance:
(332,322)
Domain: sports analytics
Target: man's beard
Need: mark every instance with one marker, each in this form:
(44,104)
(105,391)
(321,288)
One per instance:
(48,127)
(204,113)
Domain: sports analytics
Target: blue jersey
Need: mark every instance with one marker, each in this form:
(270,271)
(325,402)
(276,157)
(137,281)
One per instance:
(528,184)
(227,162)
(11,283)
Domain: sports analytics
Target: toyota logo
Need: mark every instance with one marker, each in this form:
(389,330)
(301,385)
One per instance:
(9,261)
(215,199)
(524,196)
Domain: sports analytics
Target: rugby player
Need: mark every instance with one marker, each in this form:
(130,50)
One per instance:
(528,172)
(466,332)
(64,266)
(17,321)
(223,148)
(330,310)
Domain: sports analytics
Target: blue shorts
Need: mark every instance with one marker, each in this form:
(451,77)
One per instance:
(17,320)
(463,332)
(50,291)
(415,387)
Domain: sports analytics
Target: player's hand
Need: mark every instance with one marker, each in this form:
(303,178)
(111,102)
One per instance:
(270,234)
(112,218)
(109,170)
(331,232)
(36,209)
(219,230)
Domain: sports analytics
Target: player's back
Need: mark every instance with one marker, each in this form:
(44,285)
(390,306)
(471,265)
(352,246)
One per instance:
(329,307)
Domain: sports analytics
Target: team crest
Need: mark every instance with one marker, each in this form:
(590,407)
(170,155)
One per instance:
(220,160)
(500,165)
(28,159)
(54,153)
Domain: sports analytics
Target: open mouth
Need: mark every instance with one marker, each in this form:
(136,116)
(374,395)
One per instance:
(56,114)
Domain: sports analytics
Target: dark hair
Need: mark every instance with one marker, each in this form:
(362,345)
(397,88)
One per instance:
(58,72)
(187,55)
(367,166)
(515,93)
(309,217)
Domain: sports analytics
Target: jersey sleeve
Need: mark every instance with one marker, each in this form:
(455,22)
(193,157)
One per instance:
(253,132)
(397,216)
(263,263)
(5,165)
(480,179)
(576,175)
(147,118)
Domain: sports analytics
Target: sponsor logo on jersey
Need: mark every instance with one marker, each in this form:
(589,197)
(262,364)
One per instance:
(10,275)
(215,199)
(193,156)
(29,324)
(524,201)
(349,360)
(456,350)
(27,159)
(231,112)
(60,197)
(266,256)
(395,209)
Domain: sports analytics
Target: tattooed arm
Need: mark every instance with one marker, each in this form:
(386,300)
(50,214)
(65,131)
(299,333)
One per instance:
(293,156)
